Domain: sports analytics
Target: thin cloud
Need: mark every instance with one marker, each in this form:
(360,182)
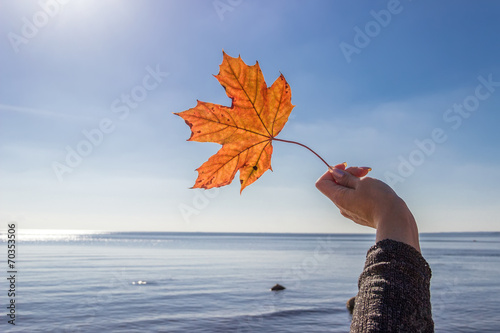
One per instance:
(40,112)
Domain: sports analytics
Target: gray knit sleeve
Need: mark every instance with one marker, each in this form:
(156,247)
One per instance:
(394,291)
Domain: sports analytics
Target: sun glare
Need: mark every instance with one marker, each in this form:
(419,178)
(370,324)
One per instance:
(33,235)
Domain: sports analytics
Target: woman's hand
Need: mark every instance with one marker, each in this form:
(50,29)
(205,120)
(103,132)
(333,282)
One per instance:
(369,202)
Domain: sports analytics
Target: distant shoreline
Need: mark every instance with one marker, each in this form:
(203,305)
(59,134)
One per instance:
(228,233)
(59,234)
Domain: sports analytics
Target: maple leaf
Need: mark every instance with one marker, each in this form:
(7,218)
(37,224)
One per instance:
(246,129)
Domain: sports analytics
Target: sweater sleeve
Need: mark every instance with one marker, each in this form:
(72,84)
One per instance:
(394,291)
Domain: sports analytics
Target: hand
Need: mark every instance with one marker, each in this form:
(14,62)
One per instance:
(369,202)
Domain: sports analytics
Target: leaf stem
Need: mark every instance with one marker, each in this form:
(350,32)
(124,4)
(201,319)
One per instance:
(300,144)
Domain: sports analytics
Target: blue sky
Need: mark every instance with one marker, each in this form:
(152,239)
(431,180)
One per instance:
(409,88)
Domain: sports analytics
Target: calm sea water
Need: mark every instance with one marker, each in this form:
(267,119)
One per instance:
(176,282)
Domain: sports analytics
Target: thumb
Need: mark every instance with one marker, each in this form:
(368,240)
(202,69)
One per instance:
(344,178)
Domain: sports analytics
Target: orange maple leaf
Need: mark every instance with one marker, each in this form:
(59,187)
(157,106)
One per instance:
(245,130)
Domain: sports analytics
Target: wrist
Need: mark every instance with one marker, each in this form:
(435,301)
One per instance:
(399,225)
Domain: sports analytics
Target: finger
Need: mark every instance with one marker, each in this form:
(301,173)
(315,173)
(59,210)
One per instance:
(358,171)
(341,166)
(338,193)
(344,178)
(344,214)
(327,185)
(327,177)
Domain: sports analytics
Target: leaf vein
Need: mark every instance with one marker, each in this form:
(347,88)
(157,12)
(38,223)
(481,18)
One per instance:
(248,97)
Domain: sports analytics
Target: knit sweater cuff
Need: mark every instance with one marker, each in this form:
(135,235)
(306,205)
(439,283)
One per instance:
(389,250)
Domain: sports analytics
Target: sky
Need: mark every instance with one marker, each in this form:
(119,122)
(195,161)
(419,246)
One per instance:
(87,91)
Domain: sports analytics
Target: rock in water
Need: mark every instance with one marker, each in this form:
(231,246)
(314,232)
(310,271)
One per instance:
(277,287)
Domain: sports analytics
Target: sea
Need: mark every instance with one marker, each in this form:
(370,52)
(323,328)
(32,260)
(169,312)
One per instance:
(91,281)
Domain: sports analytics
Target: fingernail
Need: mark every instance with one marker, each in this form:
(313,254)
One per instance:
(337,172)
(367,168)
